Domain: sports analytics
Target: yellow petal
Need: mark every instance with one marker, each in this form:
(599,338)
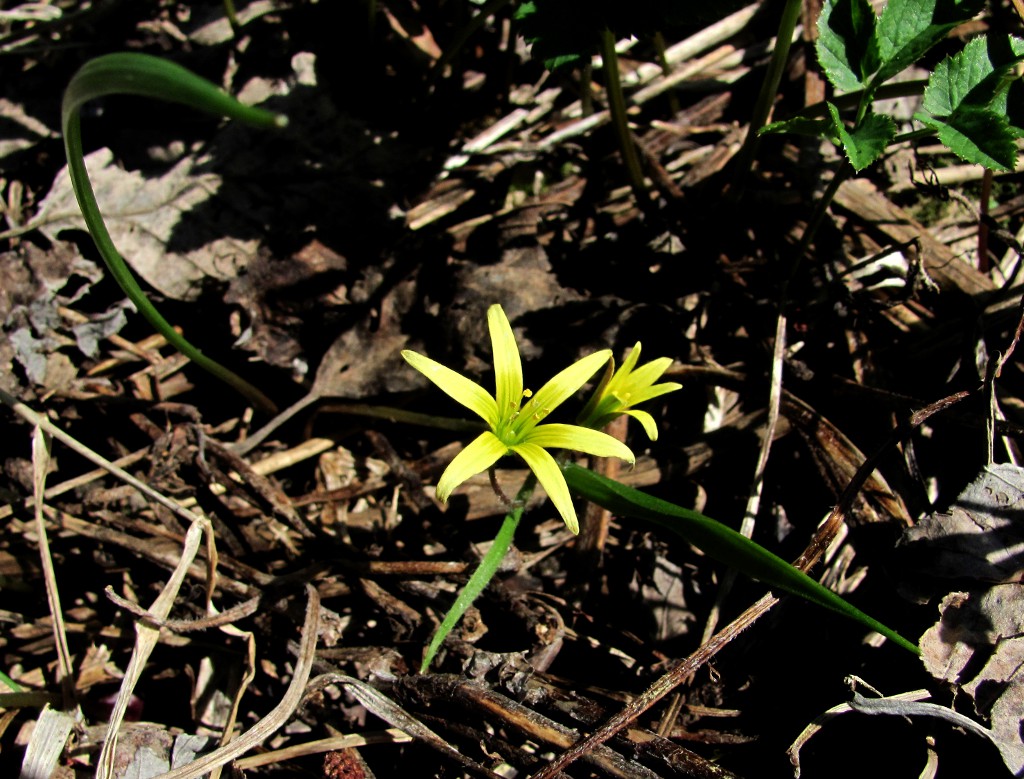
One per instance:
(647,421)
(508,368)
(551,479)
(468,393)
(579,439)
(482,452)
(558,389)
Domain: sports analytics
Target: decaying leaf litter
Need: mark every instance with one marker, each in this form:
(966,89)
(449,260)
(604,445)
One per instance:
(405,198)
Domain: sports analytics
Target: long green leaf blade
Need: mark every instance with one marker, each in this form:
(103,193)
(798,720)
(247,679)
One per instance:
(147,76)
(720,542)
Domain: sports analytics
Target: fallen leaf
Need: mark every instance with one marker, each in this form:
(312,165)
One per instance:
(973,627)
(981,536)
(169,228)
(34,283)
(522,282)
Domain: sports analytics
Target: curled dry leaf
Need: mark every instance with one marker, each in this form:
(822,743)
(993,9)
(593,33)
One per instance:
(984,628)
(980,539)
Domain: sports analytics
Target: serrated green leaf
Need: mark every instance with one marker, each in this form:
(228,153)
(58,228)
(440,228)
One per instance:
(866,142)
(847,49)
(977,75)
(800,125)
(978,135)
(908,28)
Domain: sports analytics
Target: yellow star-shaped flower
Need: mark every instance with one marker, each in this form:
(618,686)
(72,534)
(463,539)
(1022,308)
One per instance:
(629,385)
(513,416)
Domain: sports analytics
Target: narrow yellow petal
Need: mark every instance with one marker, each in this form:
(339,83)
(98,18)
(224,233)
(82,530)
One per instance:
(508,368)
(648,393)
(647,421)
(558,389)
(551,479)
(579,439)
(468,393)
(646,375)
(630,362)
(481,453)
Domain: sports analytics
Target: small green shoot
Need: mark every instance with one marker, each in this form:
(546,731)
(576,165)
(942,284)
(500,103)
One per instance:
(7,680)
(146,76)
(566,33)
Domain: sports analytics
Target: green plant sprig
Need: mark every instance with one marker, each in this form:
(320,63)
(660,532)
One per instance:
(720,542)
(148,76)
(972,100)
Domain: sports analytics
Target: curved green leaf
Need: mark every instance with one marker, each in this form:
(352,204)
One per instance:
(865,142)
(720,542)
(141,74)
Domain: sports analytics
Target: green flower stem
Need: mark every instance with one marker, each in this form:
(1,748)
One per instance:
(769,87)
(231,13)
(484,573)
(720,542)
(912,88)
(141,74)
(617,110)
(666,70)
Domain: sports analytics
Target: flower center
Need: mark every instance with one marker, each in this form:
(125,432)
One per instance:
(521,415)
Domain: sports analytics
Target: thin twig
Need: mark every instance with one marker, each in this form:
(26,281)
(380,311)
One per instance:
(40,465)
(74,444)
(280,714)
(659,689)
(242,610)
(757,484)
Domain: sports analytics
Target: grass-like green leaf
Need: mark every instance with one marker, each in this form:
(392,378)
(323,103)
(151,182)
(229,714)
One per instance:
(847,47)
(482,575)
(146,76)
(976,75)
(977,135)
(866,142)
(720,542)
(909,28)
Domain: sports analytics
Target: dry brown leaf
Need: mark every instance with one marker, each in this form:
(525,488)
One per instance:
(981,537)
(523,282)
(974,626)
(162,225)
